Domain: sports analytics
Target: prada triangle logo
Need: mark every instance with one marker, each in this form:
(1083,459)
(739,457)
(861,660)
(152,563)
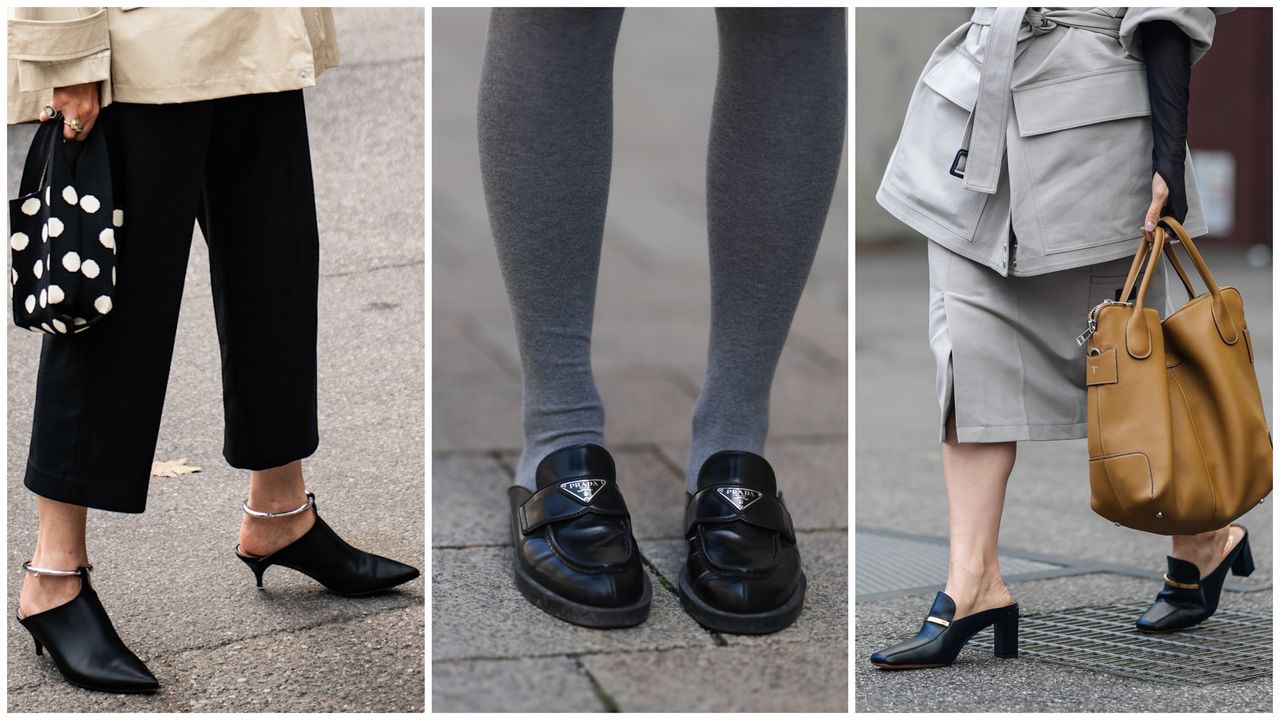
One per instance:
(740,497)
(582,490)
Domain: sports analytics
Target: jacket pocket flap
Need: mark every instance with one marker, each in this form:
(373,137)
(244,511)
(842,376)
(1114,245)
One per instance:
(1098,96)
(1102,368)
(955,78)
(58,41)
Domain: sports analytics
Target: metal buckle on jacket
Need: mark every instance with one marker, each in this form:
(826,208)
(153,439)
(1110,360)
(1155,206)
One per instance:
(955,164)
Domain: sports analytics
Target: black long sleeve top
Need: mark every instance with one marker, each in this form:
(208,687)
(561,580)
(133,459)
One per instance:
(1167,51)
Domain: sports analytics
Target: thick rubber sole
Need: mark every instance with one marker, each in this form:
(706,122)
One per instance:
(763,623)
(591,616)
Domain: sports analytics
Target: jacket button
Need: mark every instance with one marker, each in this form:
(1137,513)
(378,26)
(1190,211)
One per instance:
(302,74)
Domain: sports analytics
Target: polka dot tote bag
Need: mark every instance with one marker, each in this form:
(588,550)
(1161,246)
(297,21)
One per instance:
(63,229)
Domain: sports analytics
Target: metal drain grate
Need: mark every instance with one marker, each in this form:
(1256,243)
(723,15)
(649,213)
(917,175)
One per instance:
(1232,646)
(888,565)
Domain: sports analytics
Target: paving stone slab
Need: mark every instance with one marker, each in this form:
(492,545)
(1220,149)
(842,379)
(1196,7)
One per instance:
(639,407)
(787,677)
(458,355)
(545,684)
(825,558)
(372,663)
(477,613)
(469,501)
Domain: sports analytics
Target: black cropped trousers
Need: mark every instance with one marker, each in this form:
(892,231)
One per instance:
(241,167)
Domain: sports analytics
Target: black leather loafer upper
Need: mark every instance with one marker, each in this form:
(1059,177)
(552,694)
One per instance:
(742,548)
(1186,600)
(942,636)
(573,538)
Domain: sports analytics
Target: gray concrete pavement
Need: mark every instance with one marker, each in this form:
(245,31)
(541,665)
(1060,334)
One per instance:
(491,649)
(899,488)
(168,577)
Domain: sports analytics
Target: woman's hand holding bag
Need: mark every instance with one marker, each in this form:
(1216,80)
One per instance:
(64,229)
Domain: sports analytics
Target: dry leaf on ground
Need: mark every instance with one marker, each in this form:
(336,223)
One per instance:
(172,468)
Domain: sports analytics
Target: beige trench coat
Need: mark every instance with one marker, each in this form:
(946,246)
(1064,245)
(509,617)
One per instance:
(1050,108)
(165,55)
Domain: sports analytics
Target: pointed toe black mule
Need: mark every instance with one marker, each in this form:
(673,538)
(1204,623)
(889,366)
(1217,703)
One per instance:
(328,559)
(742,574)
(575,557)
(82,642)
(1186,600)
(942,637)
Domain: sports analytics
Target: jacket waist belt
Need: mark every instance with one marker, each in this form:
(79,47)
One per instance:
(979,159)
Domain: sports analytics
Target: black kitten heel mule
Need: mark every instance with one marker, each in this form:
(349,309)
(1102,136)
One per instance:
(328,559)
(941,638)
(83,644)
(1186,600)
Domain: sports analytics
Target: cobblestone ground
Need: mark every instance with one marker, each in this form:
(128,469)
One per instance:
(1080,559)
(168,577)
(491,649)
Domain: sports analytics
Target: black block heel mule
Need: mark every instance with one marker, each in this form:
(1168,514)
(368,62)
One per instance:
(941,638)
(328,559)
(1186,600)
(83,644)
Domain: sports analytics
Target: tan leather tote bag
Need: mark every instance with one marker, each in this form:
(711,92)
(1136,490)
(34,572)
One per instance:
(1178,442)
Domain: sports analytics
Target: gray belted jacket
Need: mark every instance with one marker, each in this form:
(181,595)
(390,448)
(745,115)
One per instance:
(1027,142)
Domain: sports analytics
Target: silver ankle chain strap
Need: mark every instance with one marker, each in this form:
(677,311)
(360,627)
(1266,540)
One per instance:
(311,501)
(38,571)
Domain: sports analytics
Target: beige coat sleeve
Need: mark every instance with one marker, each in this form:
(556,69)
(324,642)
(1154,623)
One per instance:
(1197,22)
(55,47)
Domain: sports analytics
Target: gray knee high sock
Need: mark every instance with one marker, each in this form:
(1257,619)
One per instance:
(546,135)
(777,129)
(545,129)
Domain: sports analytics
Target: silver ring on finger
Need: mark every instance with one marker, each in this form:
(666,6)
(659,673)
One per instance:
(48,110)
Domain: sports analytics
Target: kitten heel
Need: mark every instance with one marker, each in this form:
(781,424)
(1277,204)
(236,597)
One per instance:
(255,564)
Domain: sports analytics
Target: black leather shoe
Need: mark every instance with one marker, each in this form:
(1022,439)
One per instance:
(329,560)
(941,638)
(743,570)
(85,647)
(575,556)
(1186,600)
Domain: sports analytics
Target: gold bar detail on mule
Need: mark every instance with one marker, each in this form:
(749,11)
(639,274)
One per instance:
(1179,585)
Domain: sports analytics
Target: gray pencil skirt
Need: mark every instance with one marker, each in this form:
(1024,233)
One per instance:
(1006,346)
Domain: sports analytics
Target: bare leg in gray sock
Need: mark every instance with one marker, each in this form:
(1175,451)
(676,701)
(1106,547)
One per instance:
(545,130)
(777,128)
(546,149)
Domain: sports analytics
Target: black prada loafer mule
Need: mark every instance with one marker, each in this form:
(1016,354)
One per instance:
(742,574)
(575,557)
